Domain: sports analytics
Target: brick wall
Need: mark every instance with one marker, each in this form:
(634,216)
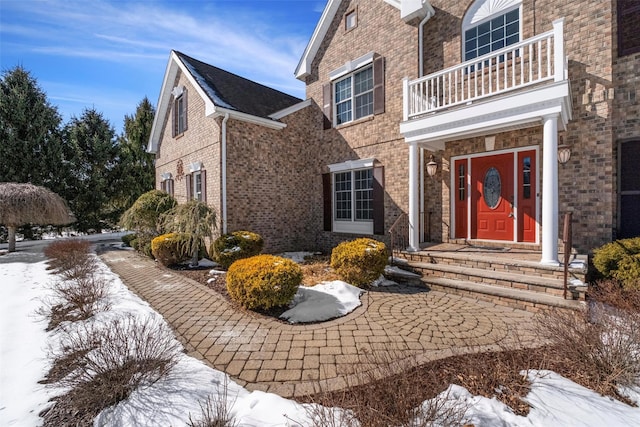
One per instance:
(199,143)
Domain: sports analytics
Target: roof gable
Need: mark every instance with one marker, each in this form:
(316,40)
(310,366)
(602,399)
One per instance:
(223,93)
(409,9)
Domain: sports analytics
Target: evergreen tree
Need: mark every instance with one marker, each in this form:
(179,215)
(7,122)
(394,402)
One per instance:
(31,149)
(135,170)
(92,140)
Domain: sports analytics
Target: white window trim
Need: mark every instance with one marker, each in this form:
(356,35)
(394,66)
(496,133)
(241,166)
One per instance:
(195,167)
(349,226)
(351,66)
(165,176)
(482,11)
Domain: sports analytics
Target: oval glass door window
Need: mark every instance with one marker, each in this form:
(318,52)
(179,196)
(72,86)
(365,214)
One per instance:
(491,188)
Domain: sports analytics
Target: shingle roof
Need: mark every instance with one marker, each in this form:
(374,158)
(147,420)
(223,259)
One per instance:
(228,90)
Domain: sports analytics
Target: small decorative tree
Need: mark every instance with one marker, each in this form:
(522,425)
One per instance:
(22,204)
(143,217)
(196,219)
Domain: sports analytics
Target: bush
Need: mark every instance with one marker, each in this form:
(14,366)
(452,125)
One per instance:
(70,258)
(607,258)
(105,363)
(628,272)
(128,238)
(237,245)
(263,281)
(170,248)
(359,262)
(145,212)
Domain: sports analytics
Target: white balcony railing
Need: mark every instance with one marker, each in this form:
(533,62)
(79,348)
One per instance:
(532,61)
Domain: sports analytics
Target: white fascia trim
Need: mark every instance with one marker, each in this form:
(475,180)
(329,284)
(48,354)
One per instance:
(162,105)
(395,3)
(349,66)
(351,165)
(248,118)
(165,176)
(290,110)
(304,65)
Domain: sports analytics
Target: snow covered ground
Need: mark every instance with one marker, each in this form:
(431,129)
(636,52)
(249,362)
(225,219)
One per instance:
(23,345)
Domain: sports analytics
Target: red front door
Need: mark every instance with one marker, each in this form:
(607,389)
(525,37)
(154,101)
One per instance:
(492,197)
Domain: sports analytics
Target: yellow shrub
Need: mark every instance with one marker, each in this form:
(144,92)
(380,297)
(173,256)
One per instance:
(607,258)
(237,245)
(359,262)
(263,281)
(169,248)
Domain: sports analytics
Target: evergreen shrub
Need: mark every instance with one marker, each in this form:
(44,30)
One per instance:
(359,262)
(237,245)
(263,281)
(169,248)
(128,238)
(620,260)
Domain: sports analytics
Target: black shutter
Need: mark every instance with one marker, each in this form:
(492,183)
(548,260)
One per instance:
(185,111)
(163,186)
(378,85)
(378,200)
(327,196)
(189,181)
(203,177)
(174,118)
(327,99)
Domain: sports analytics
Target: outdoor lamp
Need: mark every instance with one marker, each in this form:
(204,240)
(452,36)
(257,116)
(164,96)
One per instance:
(432,167)
(564,153)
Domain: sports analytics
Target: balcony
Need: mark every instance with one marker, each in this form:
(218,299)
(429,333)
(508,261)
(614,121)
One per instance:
(508,88)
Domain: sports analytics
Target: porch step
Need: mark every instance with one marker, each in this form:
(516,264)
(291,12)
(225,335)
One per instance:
(502,278)
(510,262)
(515,298)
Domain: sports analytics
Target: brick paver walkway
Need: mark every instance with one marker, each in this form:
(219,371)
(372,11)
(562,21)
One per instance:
(404,324)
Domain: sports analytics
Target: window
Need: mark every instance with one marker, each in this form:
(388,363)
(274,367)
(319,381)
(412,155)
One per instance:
(167,186)
(526,177)
(355,90)
(350,20)
(354,197)
(196,183)
(489,26)
(354,96)
(180,113)
(628,34)
(197,186)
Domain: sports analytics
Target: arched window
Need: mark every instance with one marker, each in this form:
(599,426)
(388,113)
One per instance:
(490,25)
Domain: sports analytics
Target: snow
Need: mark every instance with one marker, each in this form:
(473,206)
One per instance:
(297,257)
(215,97)
(398,272)
(321,302)
(554,400)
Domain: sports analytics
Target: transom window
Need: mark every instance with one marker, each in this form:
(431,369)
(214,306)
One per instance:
(353,96)
(493,34)
(353,195)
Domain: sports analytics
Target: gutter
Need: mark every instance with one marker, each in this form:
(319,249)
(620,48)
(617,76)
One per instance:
(223,149)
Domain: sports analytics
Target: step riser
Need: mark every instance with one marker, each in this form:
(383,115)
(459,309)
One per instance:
(489,281)
(493,265)
(503,301)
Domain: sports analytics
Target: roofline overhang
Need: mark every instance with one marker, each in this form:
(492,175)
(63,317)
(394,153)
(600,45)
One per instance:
(304,65)
(211,110)
(290,110)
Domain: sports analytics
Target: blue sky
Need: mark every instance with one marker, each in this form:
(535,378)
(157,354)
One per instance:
(110,54)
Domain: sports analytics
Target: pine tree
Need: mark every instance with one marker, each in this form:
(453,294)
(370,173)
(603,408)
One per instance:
(92,140)
(135,170)
(31,149)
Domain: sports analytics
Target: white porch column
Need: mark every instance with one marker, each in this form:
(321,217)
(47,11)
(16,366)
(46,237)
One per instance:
(550,191)
(414,198)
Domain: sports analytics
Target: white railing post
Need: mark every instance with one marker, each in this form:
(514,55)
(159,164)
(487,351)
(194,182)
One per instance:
(405,96)
(558,50)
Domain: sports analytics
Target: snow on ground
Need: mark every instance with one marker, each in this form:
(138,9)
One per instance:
(296,256)
(324,301)
(23,342)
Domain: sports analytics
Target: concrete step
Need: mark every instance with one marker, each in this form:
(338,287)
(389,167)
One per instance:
(510,297)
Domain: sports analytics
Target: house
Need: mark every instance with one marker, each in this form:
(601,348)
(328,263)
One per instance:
(450,115)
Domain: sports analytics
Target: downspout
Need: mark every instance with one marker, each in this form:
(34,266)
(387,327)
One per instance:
(223,149)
